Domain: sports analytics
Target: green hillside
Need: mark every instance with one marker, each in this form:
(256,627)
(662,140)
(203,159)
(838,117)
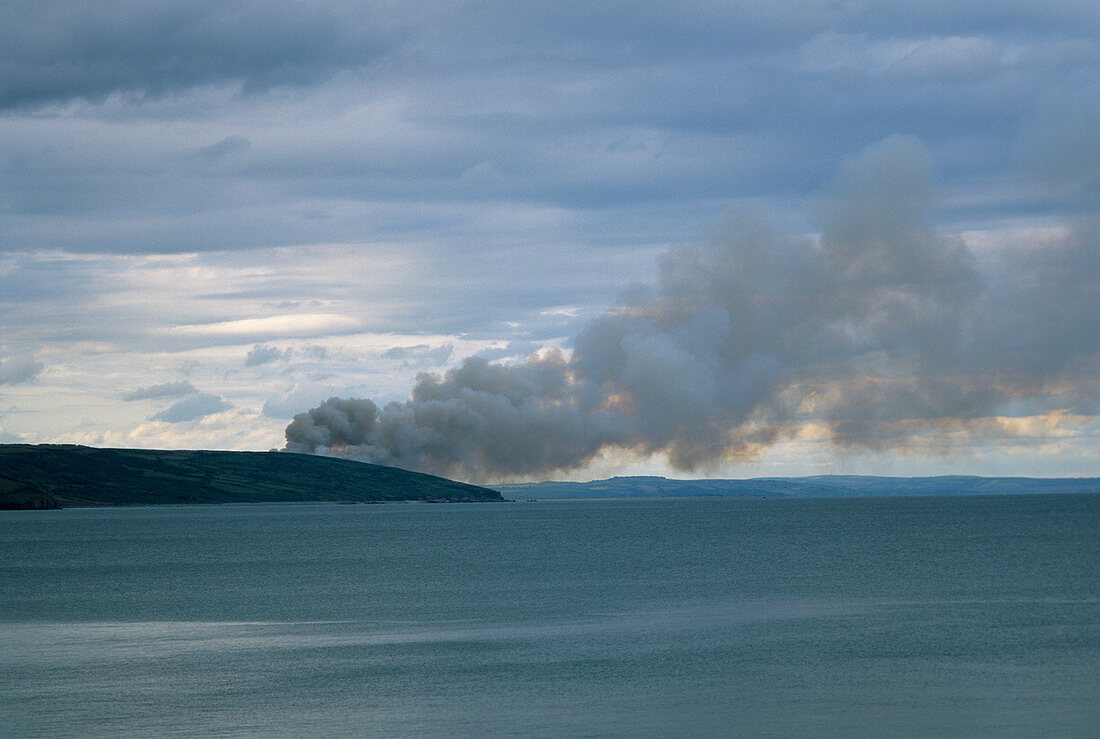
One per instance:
(51,476)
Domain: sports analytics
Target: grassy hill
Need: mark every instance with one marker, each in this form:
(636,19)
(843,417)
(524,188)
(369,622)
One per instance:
(52,476)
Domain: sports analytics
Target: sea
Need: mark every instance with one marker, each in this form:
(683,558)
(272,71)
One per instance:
(907,616)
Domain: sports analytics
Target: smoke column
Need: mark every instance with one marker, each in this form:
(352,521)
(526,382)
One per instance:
(879,332)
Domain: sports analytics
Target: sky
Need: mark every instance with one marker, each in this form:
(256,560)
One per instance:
(519,241)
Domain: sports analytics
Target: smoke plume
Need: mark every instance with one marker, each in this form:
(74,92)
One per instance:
(878,331)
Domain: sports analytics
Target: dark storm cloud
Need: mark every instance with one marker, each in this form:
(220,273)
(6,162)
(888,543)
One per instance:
(262,354)
(56,50)
(20,368)
(165,390)
(409,122)
(192,408)
(878,329)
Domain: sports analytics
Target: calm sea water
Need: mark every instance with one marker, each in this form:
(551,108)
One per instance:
(880,617)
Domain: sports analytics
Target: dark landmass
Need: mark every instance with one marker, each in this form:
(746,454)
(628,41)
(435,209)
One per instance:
(822,486)
(57,476)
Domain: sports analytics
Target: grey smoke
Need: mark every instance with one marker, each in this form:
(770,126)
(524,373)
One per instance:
(879,331)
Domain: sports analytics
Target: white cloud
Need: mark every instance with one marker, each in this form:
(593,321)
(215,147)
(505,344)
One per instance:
(298,324)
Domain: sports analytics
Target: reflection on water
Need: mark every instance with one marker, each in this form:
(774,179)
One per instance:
(103,641)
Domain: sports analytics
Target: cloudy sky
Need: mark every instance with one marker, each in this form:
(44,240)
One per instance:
(689,238)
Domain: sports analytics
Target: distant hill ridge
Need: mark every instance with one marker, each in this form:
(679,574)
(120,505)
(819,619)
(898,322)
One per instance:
(54,476)
(819,486)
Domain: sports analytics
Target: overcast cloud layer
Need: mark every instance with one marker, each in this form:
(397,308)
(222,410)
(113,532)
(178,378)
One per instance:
(866,233)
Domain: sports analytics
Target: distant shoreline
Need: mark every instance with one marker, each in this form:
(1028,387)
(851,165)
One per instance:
(821,486)
(65,476)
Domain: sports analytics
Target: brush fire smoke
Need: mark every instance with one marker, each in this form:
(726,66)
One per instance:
(876,332)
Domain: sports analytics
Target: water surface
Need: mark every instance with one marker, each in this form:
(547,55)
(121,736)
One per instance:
(886,616)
